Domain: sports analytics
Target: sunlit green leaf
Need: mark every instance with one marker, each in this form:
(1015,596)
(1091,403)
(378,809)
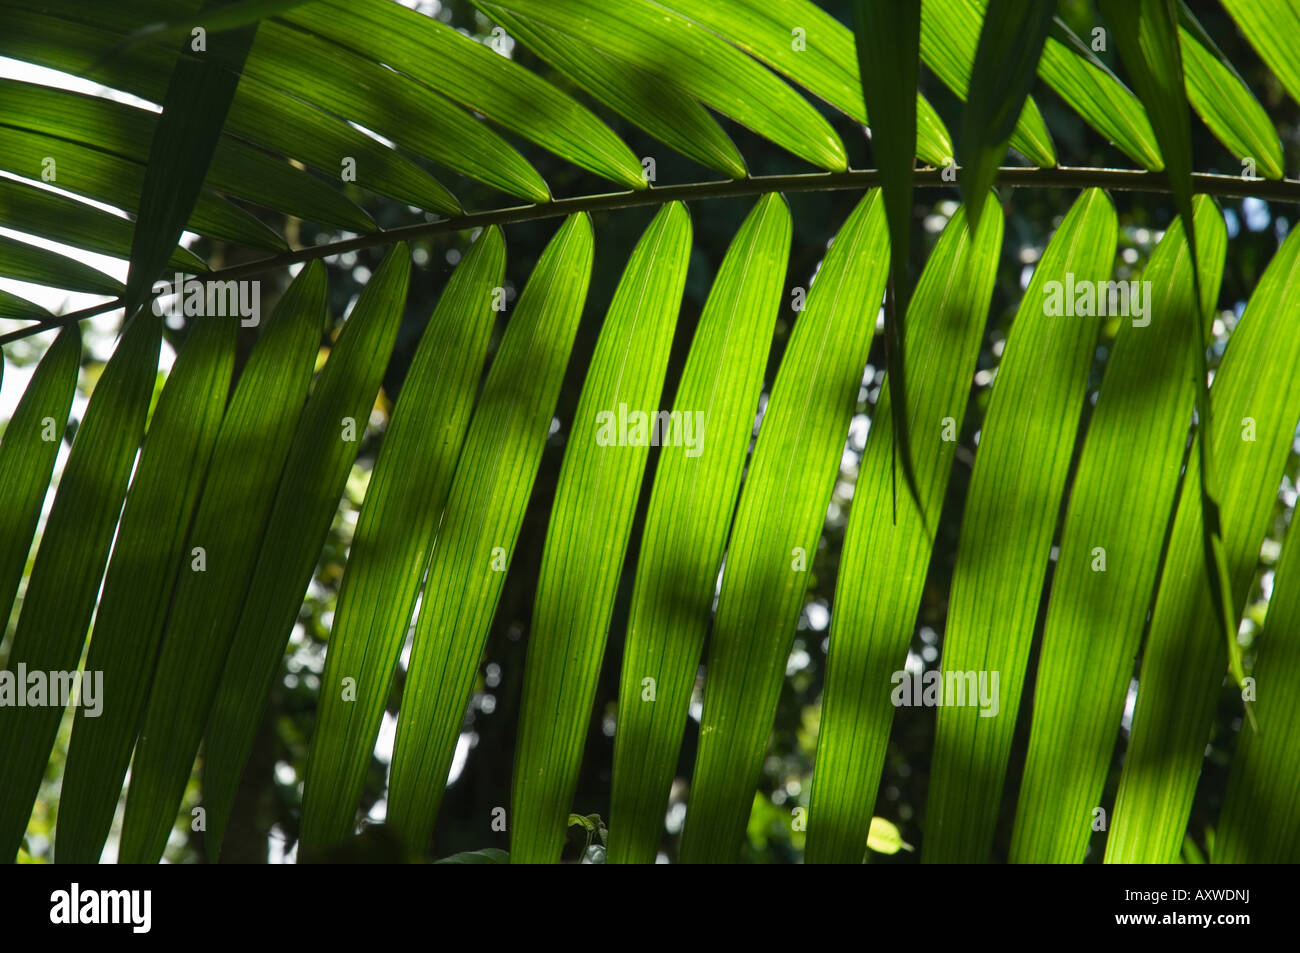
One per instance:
(616,420)
(1006,532)
(480,526)
(1257,393)
(686,527)
(872,623)
(885,838)
(778,521)
(320,457)
(1146,33)
(806,44)
(1225,103)
(1272,26)
(1124,490)
(672,50)
(394,536)
(661,109)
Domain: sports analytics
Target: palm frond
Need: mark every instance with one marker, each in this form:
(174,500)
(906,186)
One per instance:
(260,140)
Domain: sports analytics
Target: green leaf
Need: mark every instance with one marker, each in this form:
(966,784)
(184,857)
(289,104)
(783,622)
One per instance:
(322,453)
(273,118)
(1011,512)
(1083,81)
(821,58)
(659,108)
(586,538)
(885,838)
(1075,74)
(184,139)
(675,51)
(70,562)
(873,621)
(480,526)
(138,583)
(1122,500)
(1256,826)
(686,526)
(1101,99)
(889,39)
(237,168)
(1011,42)
(27,453)
(392,105)
(14,307)
(26,262)
(948,47)
(1224,102)
(777,525)
(228,527)
(60,219)
(472,75)
(116,181)
(1271,26)
(1191,853)
(1147,36)
(394,534)
(235,14)
(1257,394)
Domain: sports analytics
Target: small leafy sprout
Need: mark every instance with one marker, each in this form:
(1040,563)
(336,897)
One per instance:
(594,827)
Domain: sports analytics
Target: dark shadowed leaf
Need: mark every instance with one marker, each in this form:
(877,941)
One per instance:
(27,453)
(222,545)
(138,584)
(1006,61)
(324,447)
(889,40)
(70,562)
(184,139)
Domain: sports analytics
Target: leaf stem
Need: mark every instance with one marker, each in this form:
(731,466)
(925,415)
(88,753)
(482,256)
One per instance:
(1124,180)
